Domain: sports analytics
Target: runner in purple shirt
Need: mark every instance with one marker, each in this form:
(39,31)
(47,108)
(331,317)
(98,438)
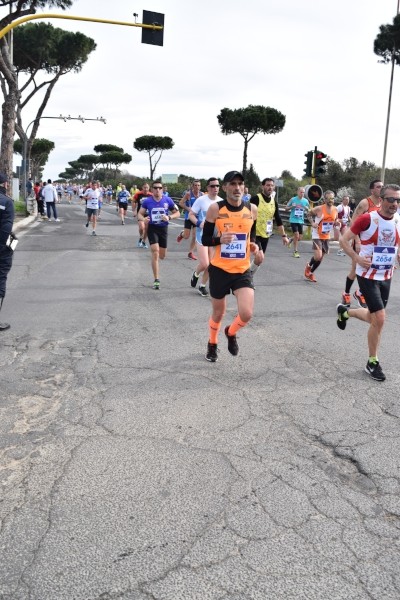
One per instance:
(161,210)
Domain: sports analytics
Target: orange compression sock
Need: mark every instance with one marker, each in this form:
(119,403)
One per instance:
(236,325)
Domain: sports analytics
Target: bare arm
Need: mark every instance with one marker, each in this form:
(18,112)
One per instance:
(142,215)
(182,201)
(174,214)
(193,218)
(360,209)
(346,241)
(313,212)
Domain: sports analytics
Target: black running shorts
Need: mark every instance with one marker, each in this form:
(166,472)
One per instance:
(376,293)
(223,283)
(158,234)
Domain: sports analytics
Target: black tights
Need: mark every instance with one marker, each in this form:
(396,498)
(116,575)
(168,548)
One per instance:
(314,264)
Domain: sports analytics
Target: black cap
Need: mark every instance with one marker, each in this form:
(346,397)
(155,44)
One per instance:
(3,178)
(231,175)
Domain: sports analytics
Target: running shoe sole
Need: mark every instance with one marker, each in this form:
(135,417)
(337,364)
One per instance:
(341,321)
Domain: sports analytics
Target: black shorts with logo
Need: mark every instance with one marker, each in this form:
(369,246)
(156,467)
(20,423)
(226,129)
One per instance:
(376,293)
(158,234)
(223,283)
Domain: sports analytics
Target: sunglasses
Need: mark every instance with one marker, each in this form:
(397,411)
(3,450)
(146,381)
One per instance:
(391,199)
(213,185)
(157,187)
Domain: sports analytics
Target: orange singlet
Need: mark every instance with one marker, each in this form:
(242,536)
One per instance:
(233,257)
(371,205)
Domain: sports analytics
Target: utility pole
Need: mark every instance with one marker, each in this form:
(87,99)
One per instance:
(388,110)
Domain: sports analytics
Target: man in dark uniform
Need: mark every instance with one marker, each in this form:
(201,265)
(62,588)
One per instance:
(6,224)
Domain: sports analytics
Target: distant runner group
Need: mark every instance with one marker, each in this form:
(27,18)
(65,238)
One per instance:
(227,233)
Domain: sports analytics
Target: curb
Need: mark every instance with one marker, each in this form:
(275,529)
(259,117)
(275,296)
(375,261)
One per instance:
(23,223)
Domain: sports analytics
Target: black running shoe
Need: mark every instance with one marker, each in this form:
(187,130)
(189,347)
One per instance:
(374,370)
(212,350)
(194,280)
(203,291)
(232,343)
(342,319)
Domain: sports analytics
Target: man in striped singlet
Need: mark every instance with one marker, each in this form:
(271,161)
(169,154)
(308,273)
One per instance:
(373,202)
(379,233)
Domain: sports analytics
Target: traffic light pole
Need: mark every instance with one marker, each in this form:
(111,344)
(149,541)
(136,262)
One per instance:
(17,22)
(313,178)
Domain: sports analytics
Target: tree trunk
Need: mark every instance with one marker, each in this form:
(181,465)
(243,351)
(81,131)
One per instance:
(156,163)
(246,142)
(151,168)
(7,134)
(9,85)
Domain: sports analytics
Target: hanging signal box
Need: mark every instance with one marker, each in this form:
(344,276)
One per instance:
(153,36)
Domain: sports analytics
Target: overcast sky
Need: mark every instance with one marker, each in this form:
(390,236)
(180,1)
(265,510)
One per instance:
(311,60)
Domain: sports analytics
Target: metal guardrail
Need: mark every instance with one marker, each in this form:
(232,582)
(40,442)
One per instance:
(284,213)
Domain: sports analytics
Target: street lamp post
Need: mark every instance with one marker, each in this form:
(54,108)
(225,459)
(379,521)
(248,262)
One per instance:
(388,110)
(25,144)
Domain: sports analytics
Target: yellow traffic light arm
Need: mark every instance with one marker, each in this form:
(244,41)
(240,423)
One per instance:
(17,22)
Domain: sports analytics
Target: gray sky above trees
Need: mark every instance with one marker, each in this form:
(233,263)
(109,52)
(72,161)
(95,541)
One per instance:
(313,61)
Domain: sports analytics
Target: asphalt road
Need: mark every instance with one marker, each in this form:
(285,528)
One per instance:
(132,468)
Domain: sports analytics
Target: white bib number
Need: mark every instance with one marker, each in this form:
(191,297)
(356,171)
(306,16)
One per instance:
(299,213)
(269,227)
(383,257)
(157,215)
(235,249)
(327,226)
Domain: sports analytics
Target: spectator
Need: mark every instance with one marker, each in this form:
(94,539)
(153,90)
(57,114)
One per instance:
(6,252)
(50,197)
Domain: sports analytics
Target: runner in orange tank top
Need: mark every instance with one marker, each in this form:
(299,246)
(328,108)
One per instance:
(373,202)
(230,228)
(325,218)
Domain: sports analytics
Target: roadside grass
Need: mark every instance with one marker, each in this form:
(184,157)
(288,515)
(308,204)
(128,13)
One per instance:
(20,208)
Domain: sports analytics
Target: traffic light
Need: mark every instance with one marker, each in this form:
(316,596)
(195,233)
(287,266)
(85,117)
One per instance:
(308,162)
(320,163)
(153,36)
(313,193)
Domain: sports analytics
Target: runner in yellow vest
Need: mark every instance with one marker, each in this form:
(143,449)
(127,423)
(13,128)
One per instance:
(268,212)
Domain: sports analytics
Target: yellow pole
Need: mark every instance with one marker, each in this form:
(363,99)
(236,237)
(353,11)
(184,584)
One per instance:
(17,22)
(314,164)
